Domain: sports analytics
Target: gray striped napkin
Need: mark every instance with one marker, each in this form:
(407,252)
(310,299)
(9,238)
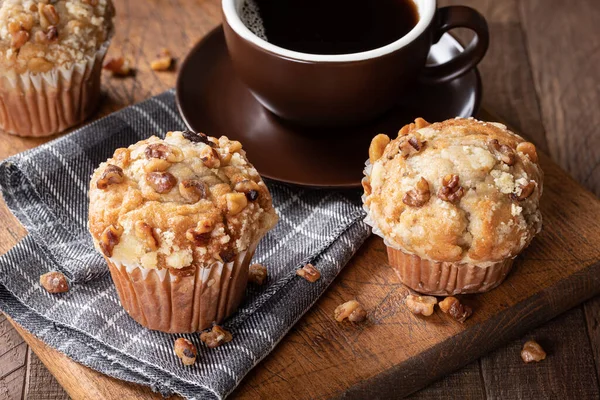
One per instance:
(46,188)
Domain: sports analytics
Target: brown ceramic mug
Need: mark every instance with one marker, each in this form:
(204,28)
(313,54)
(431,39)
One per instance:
(317,89)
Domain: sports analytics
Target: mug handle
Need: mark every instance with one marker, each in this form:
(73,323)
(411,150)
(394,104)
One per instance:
(448,18)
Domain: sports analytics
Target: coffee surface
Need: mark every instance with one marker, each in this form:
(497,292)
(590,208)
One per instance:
(330,26)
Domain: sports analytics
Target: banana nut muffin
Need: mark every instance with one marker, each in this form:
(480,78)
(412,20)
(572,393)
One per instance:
(50,62)
(455,201)
(178,221)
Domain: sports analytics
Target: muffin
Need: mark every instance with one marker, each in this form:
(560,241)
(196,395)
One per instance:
(455,202)
(51,56)
(177,221)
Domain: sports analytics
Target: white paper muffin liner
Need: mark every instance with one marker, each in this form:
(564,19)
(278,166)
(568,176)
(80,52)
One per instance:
(182,301)
(42,104)
(435,277)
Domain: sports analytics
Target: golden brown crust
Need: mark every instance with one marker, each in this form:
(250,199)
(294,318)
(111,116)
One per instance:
(484,202)
(184,215)
(36,36)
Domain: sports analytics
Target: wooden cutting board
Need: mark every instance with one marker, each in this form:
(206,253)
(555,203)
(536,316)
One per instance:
(396,353)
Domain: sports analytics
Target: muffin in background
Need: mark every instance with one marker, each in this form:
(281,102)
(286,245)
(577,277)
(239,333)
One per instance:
(455,202)
(51,56)
(177,221)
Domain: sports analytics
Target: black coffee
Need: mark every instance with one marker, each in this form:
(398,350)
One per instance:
(335,26)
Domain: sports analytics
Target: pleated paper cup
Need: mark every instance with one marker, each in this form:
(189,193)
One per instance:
(182,301)
(439,278)
(42,104)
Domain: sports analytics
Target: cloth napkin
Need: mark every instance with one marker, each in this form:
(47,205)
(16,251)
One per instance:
(46,188)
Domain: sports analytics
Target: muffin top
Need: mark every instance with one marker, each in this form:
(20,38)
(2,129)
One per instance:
(36,36)
(187,199)
(461,190)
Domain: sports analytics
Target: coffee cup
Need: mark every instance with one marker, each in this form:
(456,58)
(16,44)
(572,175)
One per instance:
(343,89)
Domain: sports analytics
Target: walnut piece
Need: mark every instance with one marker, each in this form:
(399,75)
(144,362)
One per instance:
(18,39)
(123,156)
(210,157)
(48,36)
(195,137)
(200,235)
(377,147)
(257,274)
(352,310)
(409,145)
(109,239)
(48,15)
(110,176)
(450,190)
(186,351)
(161,182)
(144,232)
(502,152)
(193,190)
(309,272)
(163,62)
(529,150)
(249,188)
(216,337)
(421,304)
(418,196)
(54,282)
(532,352)
(452,306)
(119,66)
(172,154)
(236,202)
(526,191)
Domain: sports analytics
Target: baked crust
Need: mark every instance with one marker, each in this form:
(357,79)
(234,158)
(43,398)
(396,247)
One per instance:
(211,205)
(491,213)
(36,36)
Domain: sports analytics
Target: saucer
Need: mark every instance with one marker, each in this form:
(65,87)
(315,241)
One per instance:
(211,99)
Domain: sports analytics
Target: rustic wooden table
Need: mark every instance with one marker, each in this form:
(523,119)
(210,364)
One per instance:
(540,75)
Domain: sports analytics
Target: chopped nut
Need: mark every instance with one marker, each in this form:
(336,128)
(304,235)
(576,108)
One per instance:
(119,66)
(50,35)
(196,137)
(502,152)
(249,188)
(457,310)
(144,232)
(110,176)
(366,184)
(257,274)
(526,191)
(532,352)
(161,182)
(172,154)
(309,272)
(450,190)
(377,147)
(216,337)
(409,145)
(210,157)
(200,235)
(421,304)
(418,124)
(122,155)
(193,190)
(234,146)
(418,196)
(109,239)
(48,15)
(185,350)
(18,39)
(54,282)
(351,310)
(156,165)
(236,202)
(529,150)
(163,62)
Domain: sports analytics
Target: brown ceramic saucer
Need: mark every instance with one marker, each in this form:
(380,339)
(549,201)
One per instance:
(211,99)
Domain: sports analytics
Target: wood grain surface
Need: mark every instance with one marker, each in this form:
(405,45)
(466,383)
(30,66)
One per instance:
(541,76)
